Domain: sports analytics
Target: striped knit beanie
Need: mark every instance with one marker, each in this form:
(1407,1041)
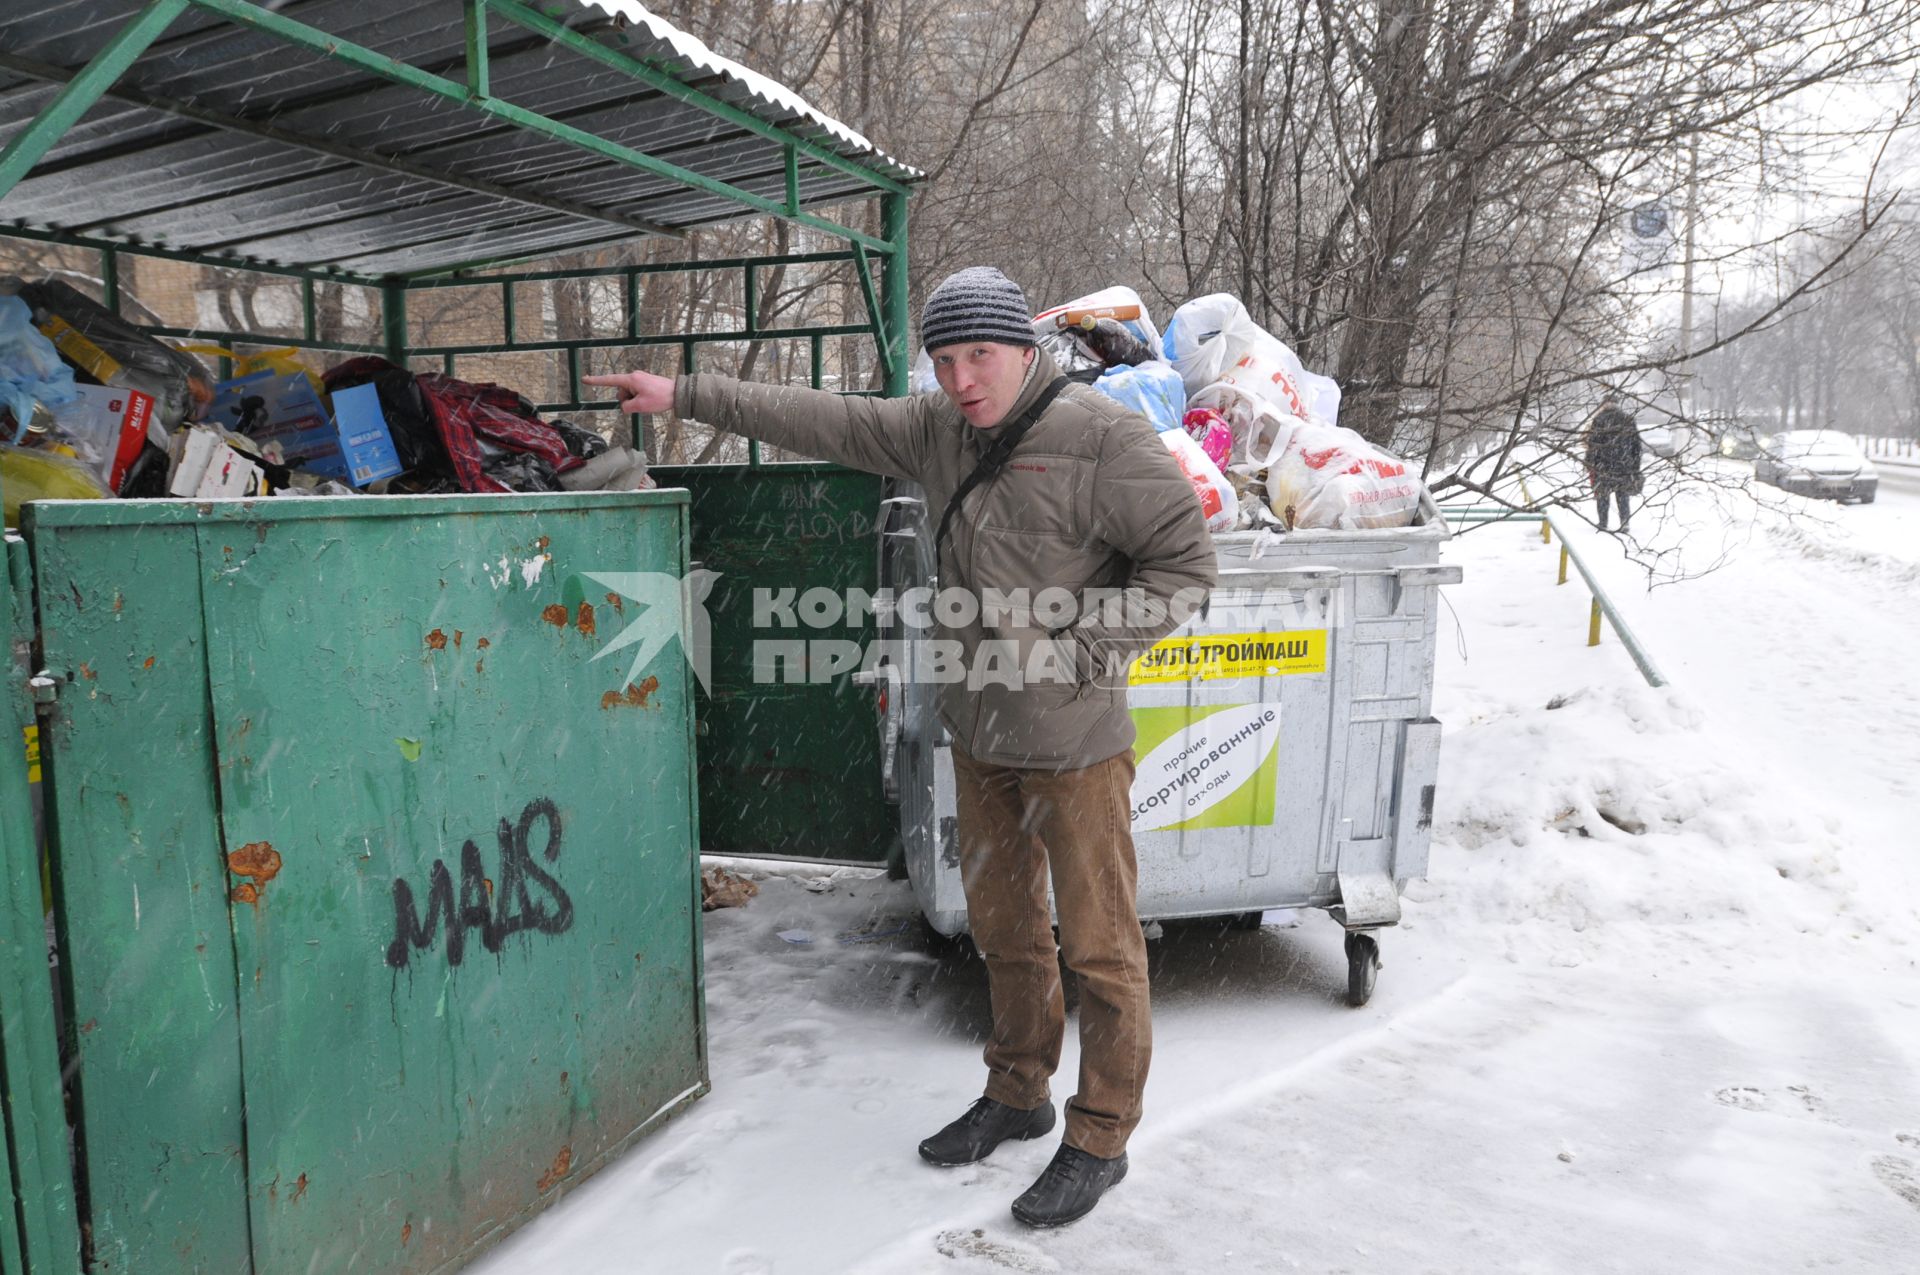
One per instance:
(976,304)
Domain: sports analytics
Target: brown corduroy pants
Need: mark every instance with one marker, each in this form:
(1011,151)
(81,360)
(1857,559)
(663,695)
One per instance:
(1014,824)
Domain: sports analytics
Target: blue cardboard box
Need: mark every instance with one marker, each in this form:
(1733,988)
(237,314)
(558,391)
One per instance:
(283,413)
(365,441)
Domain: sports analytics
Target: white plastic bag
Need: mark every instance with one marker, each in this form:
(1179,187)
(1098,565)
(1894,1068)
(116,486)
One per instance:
(1260,429)
(1206,335)
(1212,341)
(1269,369)
(1217,498)
(1122,304)
(1329,477)
(1152,389)
(1323,398)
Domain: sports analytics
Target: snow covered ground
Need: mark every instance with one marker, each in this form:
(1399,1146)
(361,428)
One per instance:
(1656,1009)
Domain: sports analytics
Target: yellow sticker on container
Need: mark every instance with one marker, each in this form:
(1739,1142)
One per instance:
(33,754)
(1218,656)
(73,343)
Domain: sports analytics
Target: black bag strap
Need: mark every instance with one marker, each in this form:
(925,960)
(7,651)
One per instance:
(996,456)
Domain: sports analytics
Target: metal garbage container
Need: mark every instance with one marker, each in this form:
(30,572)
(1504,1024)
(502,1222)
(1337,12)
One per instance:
(376,886)
(1286,753)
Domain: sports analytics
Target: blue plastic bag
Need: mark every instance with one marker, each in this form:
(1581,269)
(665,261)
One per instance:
(1154,390)
(31,370)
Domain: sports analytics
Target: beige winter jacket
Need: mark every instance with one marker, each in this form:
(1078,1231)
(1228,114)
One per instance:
(1091,499)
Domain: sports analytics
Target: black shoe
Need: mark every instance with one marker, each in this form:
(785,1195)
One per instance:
(1069,1187)
(986,1125)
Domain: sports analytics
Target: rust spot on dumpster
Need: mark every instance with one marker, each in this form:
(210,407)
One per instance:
(561,1163)
(149,663)
(436,641)
(87,672)
(556,615)
(244,893)
(586,619)
(632,697)
(542,543)
(618,604)
(256,859)
(87,1028)
(299,1189)
(482,644)
(119,604)
(457,635)
(406,1233)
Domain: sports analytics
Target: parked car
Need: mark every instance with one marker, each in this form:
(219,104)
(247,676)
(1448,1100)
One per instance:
(1817,462)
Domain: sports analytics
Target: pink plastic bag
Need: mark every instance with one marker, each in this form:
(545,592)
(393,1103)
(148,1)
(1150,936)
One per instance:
(1211,430)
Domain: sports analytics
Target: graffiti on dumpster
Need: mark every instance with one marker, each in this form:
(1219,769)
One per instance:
(497,909)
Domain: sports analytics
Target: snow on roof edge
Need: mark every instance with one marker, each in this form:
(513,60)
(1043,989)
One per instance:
(692,50)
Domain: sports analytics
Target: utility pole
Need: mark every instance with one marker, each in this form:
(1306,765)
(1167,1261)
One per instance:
(1688,405)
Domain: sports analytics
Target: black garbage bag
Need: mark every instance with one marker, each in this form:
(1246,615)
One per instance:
(524,471)
(146,477)
(582,442)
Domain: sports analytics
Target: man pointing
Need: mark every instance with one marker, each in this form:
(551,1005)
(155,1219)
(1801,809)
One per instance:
(1035,484)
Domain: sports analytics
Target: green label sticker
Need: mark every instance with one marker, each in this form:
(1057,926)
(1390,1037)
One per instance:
(1205,766)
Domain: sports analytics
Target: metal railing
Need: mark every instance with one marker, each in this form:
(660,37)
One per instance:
(1602,606)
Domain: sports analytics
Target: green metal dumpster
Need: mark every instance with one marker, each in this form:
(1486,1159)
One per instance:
(372,836)
(374,864)
(38,1223)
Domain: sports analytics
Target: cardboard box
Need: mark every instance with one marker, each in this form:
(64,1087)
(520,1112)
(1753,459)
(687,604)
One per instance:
(365,442)
(114,422)
(285,416)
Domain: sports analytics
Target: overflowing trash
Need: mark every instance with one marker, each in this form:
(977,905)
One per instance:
(1105,330)
(1151,389)
(93,406)
(1256,433)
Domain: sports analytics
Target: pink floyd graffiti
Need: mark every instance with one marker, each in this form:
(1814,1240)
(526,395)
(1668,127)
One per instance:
(524,897)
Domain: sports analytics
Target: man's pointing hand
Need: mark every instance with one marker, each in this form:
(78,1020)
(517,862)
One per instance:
(643,392)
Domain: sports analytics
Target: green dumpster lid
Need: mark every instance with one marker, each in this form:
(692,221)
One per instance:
(379,139)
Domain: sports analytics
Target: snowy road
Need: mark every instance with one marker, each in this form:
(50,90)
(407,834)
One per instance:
(1657,1008)
(1902,479)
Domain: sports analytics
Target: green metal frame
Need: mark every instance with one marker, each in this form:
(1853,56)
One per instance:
(886,298)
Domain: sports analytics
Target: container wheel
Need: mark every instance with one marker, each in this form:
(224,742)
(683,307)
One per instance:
(945,947)
(1245,920)
(1363,963)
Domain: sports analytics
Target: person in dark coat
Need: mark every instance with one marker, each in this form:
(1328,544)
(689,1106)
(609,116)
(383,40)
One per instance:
(1613,458)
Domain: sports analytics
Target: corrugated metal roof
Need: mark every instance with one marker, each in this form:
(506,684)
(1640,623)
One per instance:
(227,140)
